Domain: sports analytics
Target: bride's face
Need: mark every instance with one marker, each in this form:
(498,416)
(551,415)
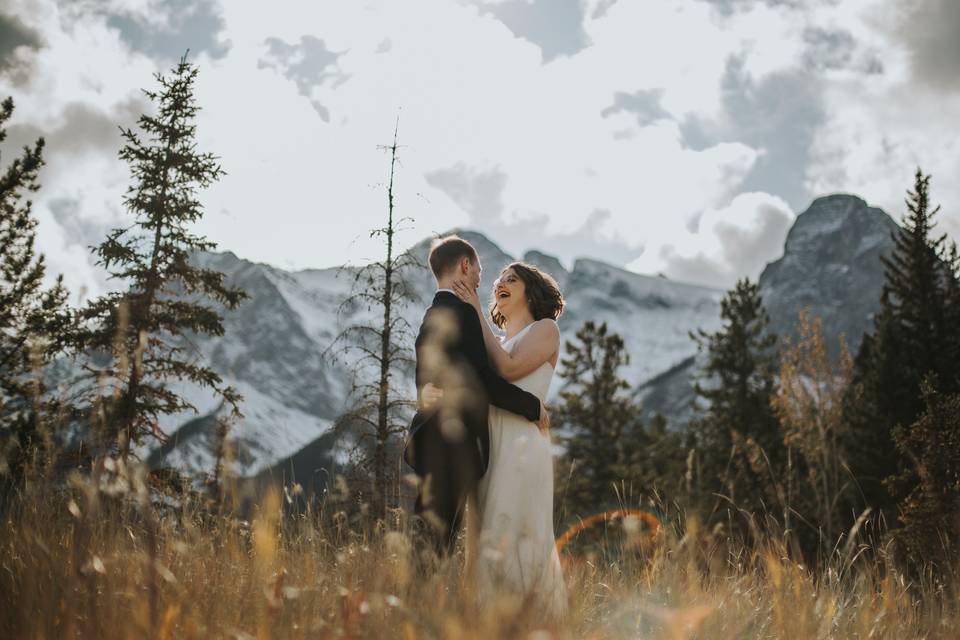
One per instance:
(509,292)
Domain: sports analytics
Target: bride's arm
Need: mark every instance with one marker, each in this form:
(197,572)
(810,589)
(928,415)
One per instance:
(537,346)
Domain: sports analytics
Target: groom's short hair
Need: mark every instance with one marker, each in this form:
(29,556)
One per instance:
(446,252)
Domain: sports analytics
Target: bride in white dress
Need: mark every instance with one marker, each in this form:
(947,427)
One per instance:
(517,551)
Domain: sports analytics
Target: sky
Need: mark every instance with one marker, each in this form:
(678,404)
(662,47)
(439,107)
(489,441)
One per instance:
(674,137)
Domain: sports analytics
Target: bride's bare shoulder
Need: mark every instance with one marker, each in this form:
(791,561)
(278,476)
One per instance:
(547,328)
(545,325)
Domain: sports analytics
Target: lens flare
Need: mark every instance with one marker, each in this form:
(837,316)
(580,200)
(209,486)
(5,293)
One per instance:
(607,516)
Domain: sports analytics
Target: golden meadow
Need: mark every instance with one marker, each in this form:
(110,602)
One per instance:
(109,556)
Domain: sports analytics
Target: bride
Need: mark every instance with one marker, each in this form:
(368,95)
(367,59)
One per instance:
(517,552)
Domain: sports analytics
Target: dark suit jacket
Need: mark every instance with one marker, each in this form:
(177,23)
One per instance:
(451,355)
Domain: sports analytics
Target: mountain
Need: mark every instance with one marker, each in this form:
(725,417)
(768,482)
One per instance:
(830,266)
(273,352)
(278,346)
(276,349)
(654,315)
(549,264)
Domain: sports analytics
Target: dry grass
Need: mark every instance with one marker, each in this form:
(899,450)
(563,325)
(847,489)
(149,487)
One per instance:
(108,564)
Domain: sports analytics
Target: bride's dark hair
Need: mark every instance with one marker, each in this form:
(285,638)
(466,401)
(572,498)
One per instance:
(543,294)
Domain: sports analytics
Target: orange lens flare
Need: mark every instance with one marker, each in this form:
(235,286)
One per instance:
(616,514)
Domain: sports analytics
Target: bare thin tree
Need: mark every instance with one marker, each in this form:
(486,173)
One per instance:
(383,340)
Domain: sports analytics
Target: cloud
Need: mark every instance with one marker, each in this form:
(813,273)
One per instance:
(624,131)
(81,129)
(83,184)
(168,30)
(74,90)
(480,194)
(597,8)
(589,240)
(828,48)
(730,243)
(13,35)
(644,104)
(930,29)
(472,97)
(883,122)
(309,64)
(556,26)
(779,115)
(870,100)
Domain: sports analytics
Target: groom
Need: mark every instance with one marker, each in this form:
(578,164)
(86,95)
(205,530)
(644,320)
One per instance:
(448,445)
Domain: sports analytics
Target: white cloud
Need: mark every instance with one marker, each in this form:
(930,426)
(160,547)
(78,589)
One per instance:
(881,127)
(729,243)
(84,72)
(302,191)
(470,95)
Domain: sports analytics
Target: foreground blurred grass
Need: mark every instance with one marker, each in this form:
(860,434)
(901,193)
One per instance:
(111,562)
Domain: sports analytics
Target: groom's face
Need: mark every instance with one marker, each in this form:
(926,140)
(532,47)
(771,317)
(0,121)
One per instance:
(472,272)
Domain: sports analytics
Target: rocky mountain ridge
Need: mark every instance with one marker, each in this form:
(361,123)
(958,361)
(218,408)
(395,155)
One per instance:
(276,349)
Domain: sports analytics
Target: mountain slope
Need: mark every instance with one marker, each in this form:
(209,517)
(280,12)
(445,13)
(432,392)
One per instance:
(830,266)
(276,349)
(277,346)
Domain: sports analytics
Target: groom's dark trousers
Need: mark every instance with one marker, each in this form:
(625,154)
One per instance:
(448,446)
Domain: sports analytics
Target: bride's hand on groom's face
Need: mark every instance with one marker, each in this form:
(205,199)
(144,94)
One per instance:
(467,294)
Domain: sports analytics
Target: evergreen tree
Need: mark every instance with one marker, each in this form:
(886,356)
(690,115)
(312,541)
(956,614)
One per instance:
(869,413)
(146,326)
(34,321)
(952,302)
(606,441)
(929,485)
(915,335)
(917,283)
(380,414)
(737,435)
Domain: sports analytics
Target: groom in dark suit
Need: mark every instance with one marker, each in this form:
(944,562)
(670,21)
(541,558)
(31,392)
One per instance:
(449,443)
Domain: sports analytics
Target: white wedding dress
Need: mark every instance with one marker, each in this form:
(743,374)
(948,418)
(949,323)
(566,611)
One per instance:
(516,545)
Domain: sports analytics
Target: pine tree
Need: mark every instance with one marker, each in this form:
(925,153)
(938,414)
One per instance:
(378,417)
(606,438)
(737,434)
(915,335)
(911,381)
(952,302)
(917,282)
(34,320)
(869,412)
(147,326)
